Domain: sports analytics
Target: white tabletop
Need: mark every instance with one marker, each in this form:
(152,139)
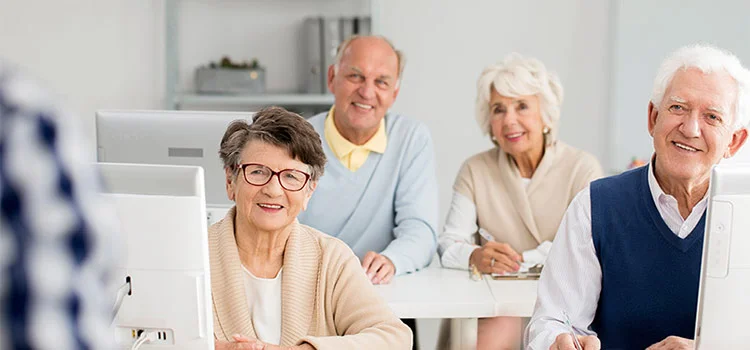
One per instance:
(513,298)
(438,293)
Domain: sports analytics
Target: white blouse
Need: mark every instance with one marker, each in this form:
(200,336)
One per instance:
(461,222)
(264,299)
(525,182)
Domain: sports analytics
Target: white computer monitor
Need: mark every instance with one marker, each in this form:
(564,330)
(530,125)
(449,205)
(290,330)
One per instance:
(168,137)
(163,256)
(724,295)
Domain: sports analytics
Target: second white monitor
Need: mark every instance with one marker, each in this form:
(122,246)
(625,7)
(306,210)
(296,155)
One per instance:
(723,302)
(168,137)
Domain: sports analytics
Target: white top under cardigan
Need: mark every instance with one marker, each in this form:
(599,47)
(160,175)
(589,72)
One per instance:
(264,299)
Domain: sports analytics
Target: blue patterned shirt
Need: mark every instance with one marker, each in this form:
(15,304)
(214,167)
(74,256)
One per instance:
(55,248)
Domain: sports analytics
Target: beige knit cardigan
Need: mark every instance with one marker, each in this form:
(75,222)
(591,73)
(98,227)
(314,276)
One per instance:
(326,298)
(525,217)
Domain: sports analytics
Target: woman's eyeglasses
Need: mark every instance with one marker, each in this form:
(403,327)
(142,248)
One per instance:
(259,175)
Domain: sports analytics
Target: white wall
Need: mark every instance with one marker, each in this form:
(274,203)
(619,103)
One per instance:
(646,32)
(448,43)
(94,54)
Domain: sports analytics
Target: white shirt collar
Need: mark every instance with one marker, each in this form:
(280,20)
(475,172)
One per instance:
(669,210)
(658,194)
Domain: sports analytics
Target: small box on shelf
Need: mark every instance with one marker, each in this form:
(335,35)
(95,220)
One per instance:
(230,78)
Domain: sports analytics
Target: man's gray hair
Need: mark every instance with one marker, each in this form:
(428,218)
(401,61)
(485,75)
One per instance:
(517,76)
(708,59)
(344,44)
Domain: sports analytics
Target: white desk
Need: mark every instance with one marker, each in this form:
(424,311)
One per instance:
(446,293)
(436,292)
(513,298)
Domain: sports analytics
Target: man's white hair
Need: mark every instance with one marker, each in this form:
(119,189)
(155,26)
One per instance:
(344,44)
(518,76)
(708,59)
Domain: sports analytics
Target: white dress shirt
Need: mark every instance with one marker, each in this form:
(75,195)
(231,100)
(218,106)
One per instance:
(264,299)
(571,279)
(456,243)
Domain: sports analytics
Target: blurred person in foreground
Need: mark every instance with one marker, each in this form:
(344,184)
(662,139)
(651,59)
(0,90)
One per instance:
(55,232)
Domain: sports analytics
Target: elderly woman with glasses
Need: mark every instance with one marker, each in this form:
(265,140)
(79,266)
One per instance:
(278,284)
(517,191)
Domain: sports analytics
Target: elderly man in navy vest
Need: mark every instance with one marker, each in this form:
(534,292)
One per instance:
(624,269)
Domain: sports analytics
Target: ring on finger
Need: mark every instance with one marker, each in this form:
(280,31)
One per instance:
(492,262)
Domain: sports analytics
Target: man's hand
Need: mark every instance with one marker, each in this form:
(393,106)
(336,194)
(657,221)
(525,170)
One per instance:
(564,341)
(378,268)
(672,343)
(494,257)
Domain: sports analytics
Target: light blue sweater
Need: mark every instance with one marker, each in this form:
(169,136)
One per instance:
(389,205)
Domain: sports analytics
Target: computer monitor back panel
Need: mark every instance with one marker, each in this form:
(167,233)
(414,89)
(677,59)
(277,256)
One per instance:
(168,137)
(724,298)
(164,255)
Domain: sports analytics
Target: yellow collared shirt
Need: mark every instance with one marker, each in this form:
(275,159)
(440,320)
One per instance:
(350,155)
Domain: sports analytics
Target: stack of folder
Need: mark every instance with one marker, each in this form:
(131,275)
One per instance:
(322,36)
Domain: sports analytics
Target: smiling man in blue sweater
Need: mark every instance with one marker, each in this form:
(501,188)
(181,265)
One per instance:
(379,191)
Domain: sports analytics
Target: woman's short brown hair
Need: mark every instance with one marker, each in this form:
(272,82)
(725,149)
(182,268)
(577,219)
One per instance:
(279,127)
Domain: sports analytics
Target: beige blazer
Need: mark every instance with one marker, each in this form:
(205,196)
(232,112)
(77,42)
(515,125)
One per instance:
(525,217)
(326,299)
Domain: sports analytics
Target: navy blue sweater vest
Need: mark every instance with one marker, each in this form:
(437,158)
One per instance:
(650,276)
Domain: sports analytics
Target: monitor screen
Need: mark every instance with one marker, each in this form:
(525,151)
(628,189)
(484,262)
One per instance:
(723,302)
(168,137)
(163,267)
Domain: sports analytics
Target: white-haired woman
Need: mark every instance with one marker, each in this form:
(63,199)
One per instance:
(518,190)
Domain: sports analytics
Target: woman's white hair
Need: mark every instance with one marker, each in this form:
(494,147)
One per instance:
(519,76)
(708,59)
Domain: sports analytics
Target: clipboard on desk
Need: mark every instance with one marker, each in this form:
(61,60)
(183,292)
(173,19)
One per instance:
(533,273)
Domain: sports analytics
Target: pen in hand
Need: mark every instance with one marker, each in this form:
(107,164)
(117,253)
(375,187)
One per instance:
(572,332)
(490,238)
(486,235)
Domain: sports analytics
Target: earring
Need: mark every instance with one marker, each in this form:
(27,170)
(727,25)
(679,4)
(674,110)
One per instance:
(545,130)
